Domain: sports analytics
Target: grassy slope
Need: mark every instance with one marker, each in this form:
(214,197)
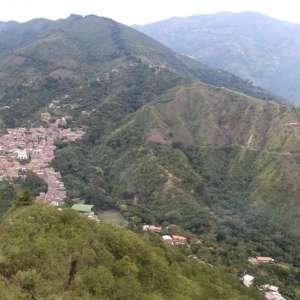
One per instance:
(263,161)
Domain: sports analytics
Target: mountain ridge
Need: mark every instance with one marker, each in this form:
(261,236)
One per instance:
(72,55)
(250,45)
(8,24)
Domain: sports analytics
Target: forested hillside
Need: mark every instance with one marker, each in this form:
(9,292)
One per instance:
(199,159)
(42,61)
(250,45)
(49,254)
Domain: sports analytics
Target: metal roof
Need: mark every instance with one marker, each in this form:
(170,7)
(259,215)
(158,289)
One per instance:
(82,207)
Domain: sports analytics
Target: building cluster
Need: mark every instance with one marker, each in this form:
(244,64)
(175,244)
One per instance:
(271,292)
(151,228)
(36,147)
(174,240)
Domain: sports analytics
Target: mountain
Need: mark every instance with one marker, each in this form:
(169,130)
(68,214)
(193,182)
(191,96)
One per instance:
(197,158)
(75,51)
(249,45)
(215,162)
(6,25)
(21,34)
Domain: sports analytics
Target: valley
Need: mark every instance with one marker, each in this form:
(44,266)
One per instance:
(167,141)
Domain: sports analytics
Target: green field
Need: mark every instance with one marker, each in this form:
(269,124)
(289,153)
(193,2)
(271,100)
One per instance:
(113,217)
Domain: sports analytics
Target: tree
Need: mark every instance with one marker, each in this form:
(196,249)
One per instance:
(25,199)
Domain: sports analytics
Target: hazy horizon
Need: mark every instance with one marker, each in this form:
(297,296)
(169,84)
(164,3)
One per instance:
(132,12)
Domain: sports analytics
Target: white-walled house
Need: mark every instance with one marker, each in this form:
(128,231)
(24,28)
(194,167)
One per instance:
(22,154)
(248,280)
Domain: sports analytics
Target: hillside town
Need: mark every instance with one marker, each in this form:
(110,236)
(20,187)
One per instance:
(33,149)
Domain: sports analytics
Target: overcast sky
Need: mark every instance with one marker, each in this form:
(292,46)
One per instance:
(142,12)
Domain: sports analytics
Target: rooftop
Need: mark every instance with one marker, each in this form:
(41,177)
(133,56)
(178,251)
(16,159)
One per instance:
(83,207)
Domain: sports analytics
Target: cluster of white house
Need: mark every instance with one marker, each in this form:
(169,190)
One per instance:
(271,292)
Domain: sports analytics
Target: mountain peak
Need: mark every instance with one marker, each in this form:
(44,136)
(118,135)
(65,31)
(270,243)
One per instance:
(248,44)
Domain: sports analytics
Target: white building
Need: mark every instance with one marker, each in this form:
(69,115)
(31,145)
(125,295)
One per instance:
(248,280)
(22,154)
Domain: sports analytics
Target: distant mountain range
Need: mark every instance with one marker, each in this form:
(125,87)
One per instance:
(250,45)
(6,25)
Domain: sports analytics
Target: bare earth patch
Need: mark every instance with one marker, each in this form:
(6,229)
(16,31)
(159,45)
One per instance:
(19,60)
(4,75)
(84,67)
(169,184)
(156,137)
(70,64)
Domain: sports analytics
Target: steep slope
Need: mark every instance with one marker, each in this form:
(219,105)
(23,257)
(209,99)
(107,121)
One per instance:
(19,35)
(249,45)
(262,135)
(63,56)
(215,162)
(46,253)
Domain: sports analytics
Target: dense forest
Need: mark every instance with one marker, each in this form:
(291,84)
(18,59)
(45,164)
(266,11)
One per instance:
(49,254)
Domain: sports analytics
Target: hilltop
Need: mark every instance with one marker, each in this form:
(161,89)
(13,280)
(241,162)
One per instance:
(250,45)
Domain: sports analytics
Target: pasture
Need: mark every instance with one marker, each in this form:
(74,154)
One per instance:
(113,217)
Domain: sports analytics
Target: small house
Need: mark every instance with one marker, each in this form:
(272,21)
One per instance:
(266,260)
(146,227)
(168,240)
(248,280)
(83,208)
(155,229)
(177,240)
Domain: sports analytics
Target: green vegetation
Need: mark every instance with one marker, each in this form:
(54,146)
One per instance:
(46,253)
(11,190)
(82,57)
(239,43)
(113,217)
(160,147)
(189,152)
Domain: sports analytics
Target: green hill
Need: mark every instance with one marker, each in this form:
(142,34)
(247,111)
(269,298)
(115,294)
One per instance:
(67,54)
(249,45)
(191,150)
(50,254)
